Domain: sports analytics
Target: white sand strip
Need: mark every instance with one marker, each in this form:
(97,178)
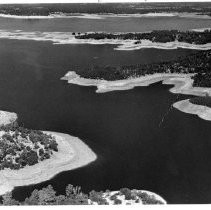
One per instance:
(53,16)
(72,153)
(7,117)
(203,112)
(183,84)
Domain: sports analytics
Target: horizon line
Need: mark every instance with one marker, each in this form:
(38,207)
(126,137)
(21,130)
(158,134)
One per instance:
(98,1)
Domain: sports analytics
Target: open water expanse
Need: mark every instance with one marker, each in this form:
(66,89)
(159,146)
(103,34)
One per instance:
(140,140)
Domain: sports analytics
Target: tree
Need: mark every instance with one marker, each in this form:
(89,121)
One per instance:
(47,196)
(72,192)
(53,145)
(32,158)
(127,193)
(33,199)
(8,200)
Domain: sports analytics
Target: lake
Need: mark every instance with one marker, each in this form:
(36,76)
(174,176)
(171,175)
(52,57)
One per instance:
(140,140)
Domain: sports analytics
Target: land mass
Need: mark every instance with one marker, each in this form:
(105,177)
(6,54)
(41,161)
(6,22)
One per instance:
(69,153)
(74,196)
(190,75)
(197,64)
(161,36)
(30,157)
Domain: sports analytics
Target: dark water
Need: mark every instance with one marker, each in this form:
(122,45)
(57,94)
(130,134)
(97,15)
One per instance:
(135,148)
(112,24)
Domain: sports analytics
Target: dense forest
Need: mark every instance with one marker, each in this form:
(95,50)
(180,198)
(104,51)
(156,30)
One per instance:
(74,196)
(198,63)
(20,146)
(115,8)
(201,100)
(163,36)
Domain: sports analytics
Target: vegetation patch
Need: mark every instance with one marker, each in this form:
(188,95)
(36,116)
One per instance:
(20,146)
(162,36)
(198,64)
(201,100)
(74,196)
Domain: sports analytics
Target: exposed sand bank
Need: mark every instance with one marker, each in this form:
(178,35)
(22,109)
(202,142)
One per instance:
(7,117)
(203,112)
(68,38)
(200,29)
(130,45)
(183,84)
(72,153)
(52,16)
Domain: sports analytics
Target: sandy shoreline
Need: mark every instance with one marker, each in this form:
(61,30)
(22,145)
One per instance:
(68,38)
(72,154)
(182,85)
(186,106)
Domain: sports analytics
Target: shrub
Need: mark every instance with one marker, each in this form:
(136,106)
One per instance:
(127,193)
(117,201)
(148,199)
(32,158)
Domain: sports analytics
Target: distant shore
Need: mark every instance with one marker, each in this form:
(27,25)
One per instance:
(108,15)
(183,84)
(68,38)
(72,153)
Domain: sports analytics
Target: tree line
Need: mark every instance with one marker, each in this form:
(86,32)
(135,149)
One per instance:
(74,196)
(198,63)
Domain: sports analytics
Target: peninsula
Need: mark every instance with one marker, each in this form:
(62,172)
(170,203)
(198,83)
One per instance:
(190,75)
(29,156)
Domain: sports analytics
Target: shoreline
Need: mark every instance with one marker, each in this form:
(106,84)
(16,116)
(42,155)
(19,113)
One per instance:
(186,106)
(182,85)
(109,15)
(68,38)
(72,153)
